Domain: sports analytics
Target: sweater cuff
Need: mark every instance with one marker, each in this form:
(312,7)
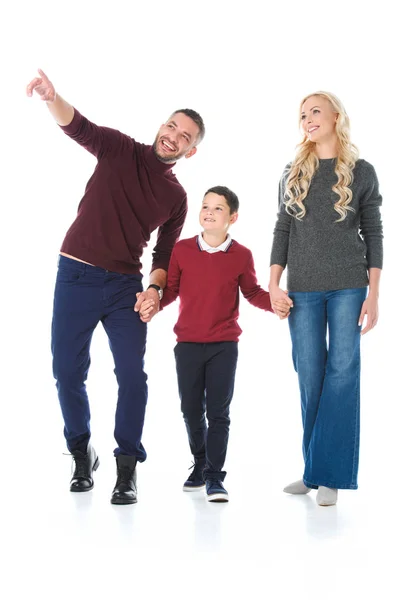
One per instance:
(72,127)
(160,264)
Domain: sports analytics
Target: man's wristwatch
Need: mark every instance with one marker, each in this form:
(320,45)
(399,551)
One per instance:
(159,290)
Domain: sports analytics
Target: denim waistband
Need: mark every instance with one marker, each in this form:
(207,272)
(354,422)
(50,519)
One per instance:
(83,267)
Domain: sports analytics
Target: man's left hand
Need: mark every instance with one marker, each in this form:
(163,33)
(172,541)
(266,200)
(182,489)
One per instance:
(147,304)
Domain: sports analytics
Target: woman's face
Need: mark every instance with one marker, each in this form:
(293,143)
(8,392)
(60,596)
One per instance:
(318,120)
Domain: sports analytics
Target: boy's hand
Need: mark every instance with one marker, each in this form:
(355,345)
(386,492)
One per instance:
(280,301)
(148,308)
(281,308)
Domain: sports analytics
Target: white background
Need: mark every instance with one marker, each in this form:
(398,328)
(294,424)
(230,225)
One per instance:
(245,67)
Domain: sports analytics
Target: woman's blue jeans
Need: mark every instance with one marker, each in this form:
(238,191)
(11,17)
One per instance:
(329,380)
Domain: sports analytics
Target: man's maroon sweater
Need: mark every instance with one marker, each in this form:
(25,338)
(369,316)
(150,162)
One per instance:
(208,288)
(129,195)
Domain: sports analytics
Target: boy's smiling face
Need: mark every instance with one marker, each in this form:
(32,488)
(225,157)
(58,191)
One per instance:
(215,215)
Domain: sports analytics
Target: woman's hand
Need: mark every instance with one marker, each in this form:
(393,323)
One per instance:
(370,310)
(280,301)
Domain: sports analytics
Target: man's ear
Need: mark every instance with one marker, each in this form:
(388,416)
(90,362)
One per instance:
(234,218)
(191,152)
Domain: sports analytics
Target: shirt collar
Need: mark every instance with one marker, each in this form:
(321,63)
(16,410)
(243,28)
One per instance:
(155,163)
(221,248)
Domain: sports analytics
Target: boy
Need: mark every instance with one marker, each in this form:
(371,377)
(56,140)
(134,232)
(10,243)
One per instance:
(206,272)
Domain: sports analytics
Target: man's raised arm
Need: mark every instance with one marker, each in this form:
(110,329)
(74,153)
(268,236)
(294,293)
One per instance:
(62,112)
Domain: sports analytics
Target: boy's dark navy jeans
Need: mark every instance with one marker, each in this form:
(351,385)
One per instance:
(206,379)
(84,296)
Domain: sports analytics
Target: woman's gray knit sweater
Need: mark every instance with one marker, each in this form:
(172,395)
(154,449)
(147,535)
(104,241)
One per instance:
(321,254)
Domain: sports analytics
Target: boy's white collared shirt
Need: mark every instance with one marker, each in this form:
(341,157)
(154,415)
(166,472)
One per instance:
(221,248)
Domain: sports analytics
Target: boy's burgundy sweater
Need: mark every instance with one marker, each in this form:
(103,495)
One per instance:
(208,287)
(129,195)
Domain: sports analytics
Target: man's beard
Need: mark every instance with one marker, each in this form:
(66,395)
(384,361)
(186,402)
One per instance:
(168,160)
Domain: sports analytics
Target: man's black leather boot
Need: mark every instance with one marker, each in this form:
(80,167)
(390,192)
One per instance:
(125,491)
(85,464)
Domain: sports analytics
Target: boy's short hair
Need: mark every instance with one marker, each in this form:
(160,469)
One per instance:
(231,199)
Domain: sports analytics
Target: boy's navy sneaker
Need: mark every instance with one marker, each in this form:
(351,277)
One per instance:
(195,480)
(215,491)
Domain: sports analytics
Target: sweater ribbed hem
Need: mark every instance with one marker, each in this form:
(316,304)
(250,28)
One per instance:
(90,256)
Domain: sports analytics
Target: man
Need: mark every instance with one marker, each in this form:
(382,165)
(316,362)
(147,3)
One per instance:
(131,193)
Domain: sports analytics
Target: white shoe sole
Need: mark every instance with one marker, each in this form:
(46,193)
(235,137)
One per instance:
(218,498)
(194,489)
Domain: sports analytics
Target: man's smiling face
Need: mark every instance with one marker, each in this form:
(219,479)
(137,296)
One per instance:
(177,138)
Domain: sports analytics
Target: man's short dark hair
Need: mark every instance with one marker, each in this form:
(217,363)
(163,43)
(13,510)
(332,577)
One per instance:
(192,114)
(231,199)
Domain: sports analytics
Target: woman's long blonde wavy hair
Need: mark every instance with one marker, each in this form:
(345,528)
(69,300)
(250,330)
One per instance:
(306,162)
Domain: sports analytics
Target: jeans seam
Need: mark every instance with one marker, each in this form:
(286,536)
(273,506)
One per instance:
(357,417)
(331,484)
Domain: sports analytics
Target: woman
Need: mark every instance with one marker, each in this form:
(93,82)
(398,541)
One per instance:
(329,235)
